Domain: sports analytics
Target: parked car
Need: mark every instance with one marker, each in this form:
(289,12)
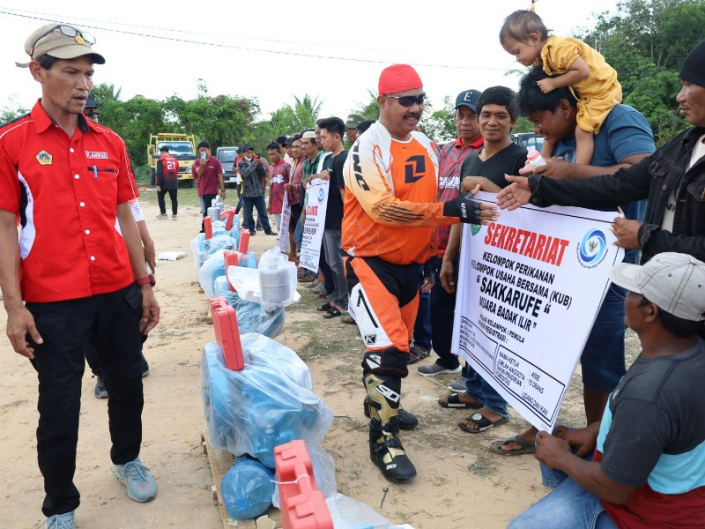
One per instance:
(528,139)
(227,156)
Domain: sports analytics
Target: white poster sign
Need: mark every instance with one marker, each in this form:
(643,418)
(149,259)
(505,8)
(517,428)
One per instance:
(284,227)
(315,209)
(529,288)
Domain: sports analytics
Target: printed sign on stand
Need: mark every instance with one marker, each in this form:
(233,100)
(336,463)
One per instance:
(284,228)
(529,289)
(315,209)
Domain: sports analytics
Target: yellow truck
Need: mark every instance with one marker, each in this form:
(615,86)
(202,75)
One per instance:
(181,146)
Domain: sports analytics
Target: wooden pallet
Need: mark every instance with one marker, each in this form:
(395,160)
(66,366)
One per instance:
(220,462)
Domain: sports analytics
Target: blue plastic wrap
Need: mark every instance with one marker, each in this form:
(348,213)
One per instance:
(253,410)
(222,290)
(251,317)
(247,489)
(213,268)
(202,248)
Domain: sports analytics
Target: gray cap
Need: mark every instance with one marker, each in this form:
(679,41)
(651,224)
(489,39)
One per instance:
(674,282)
(468,98)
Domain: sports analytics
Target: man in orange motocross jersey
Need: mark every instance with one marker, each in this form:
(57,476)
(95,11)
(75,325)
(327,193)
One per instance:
(389,221)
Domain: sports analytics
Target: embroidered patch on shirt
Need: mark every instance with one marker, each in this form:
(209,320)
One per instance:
(44,158)
(94,155)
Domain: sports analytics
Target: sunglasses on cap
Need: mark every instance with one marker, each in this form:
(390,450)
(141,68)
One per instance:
(69,31)
(407,101)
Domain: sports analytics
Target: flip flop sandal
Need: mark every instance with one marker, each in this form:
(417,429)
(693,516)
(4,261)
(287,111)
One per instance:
(332,313)
(483,423)
(453,401)
(325,307)
(348,319)
(416,354)
(526,447)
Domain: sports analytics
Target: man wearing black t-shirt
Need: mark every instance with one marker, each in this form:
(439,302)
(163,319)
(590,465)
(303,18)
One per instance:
(332,131)
(497,113)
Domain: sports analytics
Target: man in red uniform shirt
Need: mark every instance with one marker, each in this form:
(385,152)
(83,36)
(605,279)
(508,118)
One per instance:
(72,272)
(167,182)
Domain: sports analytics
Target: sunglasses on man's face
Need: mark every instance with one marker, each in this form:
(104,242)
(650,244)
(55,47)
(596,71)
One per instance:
(407,101)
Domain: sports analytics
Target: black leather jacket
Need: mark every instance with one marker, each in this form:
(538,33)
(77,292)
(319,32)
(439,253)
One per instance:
(653,178)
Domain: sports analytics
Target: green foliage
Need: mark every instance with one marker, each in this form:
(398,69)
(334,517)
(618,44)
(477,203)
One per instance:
(646,42)
(439,125)
(369,110)
(523,125)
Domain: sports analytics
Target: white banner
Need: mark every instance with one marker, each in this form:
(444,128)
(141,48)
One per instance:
(284,227)
(315,209)
(529,289)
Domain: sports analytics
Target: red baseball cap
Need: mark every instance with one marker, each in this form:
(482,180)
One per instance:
(398,78)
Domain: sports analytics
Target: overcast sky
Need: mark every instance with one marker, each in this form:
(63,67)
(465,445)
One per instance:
(330,50)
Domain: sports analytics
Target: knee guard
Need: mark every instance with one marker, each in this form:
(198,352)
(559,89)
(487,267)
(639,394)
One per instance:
(388,362)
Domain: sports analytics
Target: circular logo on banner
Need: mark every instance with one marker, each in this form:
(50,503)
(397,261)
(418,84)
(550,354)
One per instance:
(592,249)
(320,196)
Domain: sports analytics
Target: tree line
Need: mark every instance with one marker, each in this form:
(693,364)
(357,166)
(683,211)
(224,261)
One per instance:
(644,40)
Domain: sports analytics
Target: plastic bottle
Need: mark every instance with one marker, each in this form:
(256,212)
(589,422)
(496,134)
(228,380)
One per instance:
(534,158)
(247,489)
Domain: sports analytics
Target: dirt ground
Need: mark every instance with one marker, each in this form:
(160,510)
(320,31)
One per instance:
(445,494)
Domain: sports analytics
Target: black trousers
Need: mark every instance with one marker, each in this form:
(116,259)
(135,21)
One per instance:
(162,203)
(59,362)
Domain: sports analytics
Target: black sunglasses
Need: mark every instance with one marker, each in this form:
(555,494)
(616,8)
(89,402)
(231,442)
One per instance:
(407,101)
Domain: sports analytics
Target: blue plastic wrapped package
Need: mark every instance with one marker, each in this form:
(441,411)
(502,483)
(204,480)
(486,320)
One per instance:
(222,290)
(213,268)
(219,228)
(253,410)
(250,260)
(278,355)
(247,489)
(220,242)
(251,317)
(198,249)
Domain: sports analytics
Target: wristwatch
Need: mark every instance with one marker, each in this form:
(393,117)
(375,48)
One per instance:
(148,279)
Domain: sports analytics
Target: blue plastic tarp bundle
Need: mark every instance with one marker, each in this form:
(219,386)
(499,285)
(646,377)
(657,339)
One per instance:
(266,404)
(251,317)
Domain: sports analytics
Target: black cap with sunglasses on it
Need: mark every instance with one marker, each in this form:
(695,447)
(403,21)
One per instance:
(61,41)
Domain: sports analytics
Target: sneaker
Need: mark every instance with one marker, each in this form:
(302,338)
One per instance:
(260,228)
(145,367)
(252,233)
(174,217)
(100,390)
(435,369)
(141,486)
(272,233)
(459,385)
(60,521)
(162,216)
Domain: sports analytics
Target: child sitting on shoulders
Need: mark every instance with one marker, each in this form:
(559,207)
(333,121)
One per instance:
(575,64)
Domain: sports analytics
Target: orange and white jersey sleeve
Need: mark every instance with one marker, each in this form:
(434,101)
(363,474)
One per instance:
(390,201)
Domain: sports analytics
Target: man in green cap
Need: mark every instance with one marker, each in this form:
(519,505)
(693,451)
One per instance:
(351,127)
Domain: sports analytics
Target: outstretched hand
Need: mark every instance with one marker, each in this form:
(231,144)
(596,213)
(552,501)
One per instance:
(516,194)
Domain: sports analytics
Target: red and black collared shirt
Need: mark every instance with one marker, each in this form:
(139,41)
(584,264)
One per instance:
(450,160)
(66,191)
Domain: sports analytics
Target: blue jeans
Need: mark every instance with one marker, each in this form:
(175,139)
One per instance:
(442,314)
(257,202)
(603,355)
(299,234)
(480,390)
(568,505)
(422,327)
